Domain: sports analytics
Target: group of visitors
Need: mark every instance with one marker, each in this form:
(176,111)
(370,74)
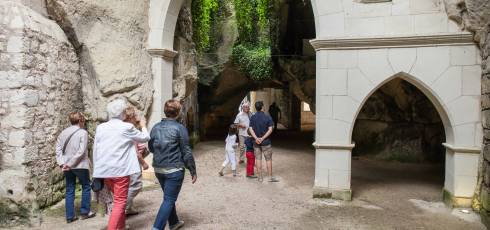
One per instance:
(118,159)
(253,141)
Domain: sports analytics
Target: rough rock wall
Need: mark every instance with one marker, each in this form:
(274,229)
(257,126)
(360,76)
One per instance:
(110,38)
(185,71)
(399,122)
(474,16)
(39,85)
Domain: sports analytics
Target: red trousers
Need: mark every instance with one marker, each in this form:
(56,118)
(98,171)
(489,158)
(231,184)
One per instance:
(250,163)
(119,187)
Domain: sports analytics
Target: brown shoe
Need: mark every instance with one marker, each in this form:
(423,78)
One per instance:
(131,212)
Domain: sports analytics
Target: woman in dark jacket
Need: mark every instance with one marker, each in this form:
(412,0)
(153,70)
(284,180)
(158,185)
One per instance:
(169,144)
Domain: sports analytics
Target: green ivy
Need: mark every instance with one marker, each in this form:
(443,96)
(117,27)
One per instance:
(254,61)
(252,52)
(204,14)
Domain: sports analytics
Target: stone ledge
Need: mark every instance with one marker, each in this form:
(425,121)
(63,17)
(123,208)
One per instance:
(392,42)
(462,149)
(163,53)
(338,194)
(333,146)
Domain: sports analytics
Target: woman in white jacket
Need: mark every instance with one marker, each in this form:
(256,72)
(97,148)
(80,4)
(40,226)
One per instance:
(115,157)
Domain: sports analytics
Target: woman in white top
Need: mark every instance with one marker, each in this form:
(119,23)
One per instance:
(115,157)
(230,150)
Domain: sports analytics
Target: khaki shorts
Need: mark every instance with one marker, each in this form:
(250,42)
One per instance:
(265,150)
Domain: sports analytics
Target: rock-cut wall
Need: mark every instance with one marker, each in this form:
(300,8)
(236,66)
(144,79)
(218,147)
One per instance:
(474,16)
(110,39)
(39,85)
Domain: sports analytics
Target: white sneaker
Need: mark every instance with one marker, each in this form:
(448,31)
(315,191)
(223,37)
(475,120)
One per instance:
(177,225)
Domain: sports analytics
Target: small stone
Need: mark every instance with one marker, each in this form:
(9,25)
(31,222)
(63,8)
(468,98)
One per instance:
(485,197)
(485,101)
(485,84)
(15,45)
(486,66)
(486,118)
(486,152)
(17,138)
(31,99)
(17,23)
(486,173)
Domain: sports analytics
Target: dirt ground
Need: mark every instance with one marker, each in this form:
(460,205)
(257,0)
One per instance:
(386,196)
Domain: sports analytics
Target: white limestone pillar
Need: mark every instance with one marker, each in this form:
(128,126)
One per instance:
(333,171)
(162,71)
(461,175)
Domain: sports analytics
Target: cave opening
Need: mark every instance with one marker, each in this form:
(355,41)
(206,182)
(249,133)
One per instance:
(398,136)
(223,85)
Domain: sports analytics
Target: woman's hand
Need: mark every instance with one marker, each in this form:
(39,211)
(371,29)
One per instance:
(145,166)
(194,179)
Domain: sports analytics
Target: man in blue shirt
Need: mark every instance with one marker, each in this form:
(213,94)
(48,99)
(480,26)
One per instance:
(261,126)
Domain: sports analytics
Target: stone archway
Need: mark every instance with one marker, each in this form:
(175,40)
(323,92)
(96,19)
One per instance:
(162,22)
(362,45)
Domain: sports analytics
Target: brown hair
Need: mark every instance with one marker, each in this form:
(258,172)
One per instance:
(76,117)
(172,108)
(233,129)
(131,117)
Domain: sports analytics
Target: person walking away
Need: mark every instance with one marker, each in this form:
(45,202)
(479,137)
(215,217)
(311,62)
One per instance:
(72,158)
(249,143)
(275,113)
(171,150)
(135,180)
(242,120)
(230,150)
(261,128)
(115,157)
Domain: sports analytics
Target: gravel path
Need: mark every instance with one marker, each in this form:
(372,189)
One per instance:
(386,196)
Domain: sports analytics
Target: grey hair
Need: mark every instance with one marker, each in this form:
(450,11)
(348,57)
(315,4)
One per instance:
(116,108)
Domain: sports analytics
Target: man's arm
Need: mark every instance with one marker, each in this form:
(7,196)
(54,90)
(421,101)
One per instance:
(82,148)
(136,135)
(59,152)
(268,133)
(270,124)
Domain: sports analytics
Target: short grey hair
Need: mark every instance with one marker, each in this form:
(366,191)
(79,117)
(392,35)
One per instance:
(116,108)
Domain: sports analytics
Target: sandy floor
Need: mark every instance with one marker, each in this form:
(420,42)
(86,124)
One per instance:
(386,196)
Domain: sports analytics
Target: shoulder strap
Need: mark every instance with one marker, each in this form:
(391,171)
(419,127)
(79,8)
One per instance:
(68,140)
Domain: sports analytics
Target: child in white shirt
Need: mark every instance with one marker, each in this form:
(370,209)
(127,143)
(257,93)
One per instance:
(230,150)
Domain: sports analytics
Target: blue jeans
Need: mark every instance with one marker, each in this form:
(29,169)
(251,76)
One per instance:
(84,180)
(171,185)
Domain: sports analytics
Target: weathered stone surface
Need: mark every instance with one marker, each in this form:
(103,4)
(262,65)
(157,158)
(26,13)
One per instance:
(474,16)
(185,77)
(399,123)
(110,38)
(40,69)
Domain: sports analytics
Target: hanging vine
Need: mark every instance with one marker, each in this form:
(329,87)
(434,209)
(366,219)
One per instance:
(252,52)
(204,14)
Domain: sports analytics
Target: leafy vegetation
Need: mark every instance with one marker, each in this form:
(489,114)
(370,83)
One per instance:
(204,15)
(255,61)
(251,52)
